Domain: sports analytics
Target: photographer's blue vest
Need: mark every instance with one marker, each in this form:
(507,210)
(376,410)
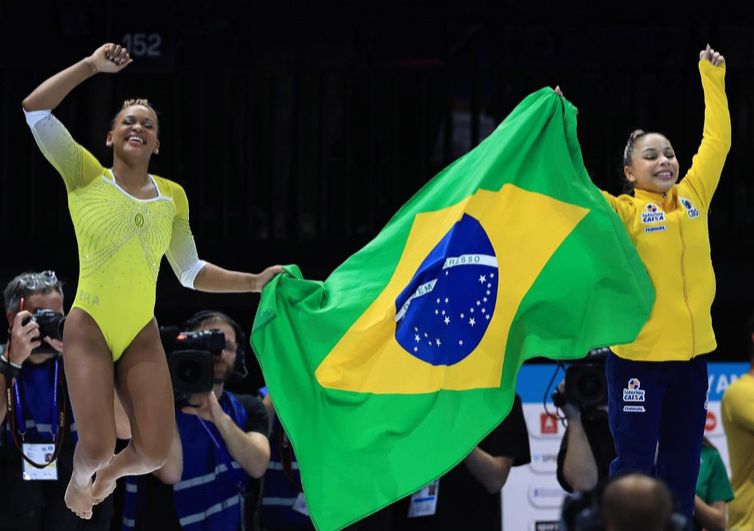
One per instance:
(210,495)
(34,406)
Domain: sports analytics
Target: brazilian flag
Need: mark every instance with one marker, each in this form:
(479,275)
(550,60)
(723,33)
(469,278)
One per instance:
(388,373)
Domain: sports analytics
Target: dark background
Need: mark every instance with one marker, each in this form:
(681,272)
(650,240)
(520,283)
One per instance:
(297,128)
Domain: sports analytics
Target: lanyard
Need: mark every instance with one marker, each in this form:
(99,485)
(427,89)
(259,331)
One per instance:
(209,432)
(20,421)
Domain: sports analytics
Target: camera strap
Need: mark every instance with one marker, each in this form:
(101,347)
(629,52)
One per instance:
(57,426)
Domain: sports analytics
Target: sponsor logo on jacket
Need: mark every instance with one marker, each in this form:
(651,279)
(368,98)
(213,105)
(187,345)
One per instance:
(652,214)
(690,210)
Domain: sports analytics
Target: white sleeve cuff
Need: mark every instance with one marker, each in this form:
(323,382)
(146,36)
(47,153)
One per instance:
(189,275)
(32,117)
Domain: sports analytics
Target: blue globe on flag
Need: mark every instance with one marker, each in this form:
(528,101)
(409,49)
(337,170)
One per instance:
(444,311)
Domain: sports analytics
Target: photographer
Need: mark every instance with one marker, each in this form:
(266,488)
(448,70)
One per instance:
(41,423)
(220,444)
(587,448)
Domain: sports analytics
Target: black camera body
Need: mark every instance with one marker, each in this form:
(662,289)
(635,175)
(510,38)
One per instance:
(191,357)
(50,325)
(585,383)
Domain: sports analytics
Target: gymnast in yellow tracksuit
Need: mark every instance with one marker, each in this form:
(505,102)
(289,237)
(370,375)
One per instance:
(657,385)
(125,221)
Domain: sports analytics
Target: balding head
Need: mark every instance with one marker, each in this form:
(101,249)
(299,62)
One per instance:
(635,502)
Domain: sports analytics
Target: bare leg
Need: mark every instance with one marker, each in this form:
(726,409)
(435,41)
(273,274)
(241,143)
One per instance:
(89,372)
(144,387)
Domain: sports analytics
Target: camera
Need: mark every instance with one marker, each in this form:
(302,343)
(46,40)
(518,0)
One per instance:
(50,325)
(191,359)
(585,383)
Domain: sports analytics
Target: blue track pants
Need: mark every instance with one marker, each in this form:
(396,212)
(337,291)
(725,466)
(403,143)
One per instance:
(657,412)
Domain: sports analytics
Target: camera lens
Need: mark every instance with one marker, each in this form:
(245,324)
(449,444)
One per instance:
(589,385)
(52,326)
(189,373)
(586,385)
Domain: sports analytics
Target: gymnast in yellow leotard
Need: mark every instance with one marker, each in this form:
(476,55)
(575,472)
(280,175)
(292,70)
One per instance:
(125,221)
(121,238)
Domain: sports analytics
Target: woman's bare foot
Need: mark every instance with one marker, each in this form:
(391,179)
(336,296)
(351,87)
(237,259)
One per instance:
(78,498)
(103,486)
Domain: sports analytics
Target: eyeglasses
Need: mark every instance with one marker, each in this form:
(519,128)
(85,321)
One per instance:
(38,281)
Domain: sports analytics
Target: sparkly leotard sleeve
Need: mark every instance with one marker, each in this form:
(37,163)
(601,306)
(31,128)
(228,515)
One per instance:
(121,238)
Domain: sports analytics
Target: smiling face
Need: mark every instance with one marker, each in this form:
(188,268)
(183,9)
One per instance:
(134,133)
(653,165)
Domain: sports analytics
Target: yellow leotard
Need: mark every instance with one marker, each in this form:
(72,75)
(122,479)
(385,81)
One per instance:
(121,239)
